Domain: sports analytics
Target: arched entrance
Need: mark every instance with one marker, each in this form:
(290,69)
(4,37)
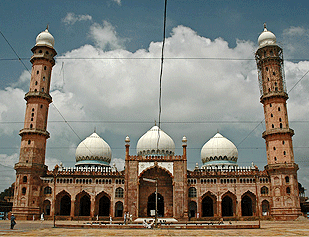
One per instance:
(246,206)
(151,205)
(46,207)
(227,206)
(82,204)
(104,206)
(207,207)
(63,204)
(147,193)
(192,209)
(118,209)
(265,208)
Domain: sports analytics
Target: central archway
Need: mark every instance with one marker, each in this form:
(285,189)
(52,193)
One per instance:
(147,193)
(151,205)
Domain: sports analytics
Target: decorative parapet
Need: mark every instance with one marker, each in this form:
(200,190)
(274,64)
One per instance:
(89,171)
(155,158)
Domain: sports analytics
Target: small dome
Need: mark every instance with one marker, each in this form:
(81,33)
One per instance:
(45,39)
(93,151)
(148,144)
(219,151)
(266,38)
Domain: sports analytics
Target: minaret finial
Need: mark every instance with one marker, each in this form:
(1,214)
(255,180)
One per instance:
(155,123)
(265,29)
(47,27)
(95,129)
(217,130)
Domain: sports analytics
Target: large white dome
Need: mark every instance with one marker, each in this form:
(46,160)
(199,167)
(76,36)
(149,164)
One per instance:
(219,151)
(266,38)
(93,151)
(149,144)
(45,39)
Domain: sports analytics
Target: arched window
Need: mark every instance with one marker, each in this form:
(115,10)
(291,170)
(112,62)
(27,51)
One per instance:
(25,179)
(192,192)
(288,190)
(47,190)
(287,179)
(264,190)
(119,193)
(23,191)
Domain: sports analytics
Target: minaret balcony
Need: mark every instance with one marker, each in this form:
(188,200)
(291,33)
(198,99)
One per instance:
(34,131)
(38,94)
(278,131)
(273,94)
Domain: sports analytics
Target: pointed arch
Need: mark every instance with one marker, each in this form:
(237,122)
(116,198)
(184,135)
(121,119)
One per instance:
(209,204)
(102,204)
(248,204)
(228,204)
(153,167)
(63,203)
(82,204)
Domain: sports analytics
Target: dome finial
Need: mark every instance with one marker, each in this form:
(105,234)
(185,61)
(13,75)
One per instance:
(155,123)
(265,29)
(95,129)
(47,26)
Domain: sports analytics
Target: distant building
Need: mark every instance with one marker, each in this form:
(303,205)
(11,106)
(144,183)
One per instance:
(220,188)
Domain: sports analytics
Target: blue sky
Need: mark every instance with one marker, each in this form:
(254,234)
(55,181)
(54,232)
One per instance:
(213,94)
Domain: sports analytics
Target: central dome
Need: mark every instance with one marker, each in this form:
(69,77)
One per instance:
(93,151)
(155,142)
(219,151)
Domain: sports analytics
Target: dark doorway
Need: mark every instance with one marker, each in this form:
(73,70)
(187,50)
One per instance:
(227,206)
(118,209)
(265,208)
(65,206)
(246,206)
(104,206)
(192,209)
(207,207)
(84,206)
(152,204)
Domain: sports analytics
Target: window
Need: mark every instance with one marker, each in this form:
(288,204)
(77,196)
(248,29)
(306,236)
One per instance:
(43,89)
(280,125)
(271,115)
(36,83)
(288,190)
(274,73)
(44,67)
(43,78)
(37,72)
(279,109)
(29,142)
(47,52)
(41,106)
(274,148)
(275,158)
(23,191)
(192,192)
(270,105)
(284,153)
(32,109)
(264,190)
(25,179)
(283,142)
(40,51)
(273,126)
(287,179)
(280,119)
(31,125)
(267,69)
(47,190)
(119,193)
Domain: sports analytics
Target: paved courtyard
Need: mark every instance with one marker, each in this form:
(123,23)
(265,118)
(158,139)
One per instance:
(45,228)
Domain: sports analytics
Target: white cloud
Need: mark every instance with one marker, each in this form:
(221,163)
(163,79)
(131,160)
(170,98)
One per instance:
(71,18)
(294,31)
(118,2)
(105,37)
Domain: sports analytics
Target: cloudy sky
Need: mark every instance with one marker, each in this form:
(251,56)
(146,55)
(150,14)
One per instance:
(107,71)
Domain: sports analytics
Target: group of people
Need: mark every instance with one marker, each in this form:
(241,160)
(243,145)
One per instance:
(127,218)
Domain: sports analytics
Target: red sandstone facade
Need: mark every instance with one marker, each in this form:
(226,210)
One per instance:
(208,193)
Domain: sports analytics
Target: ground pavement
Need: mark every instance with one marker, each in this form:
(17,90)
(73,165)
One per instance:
(45,228)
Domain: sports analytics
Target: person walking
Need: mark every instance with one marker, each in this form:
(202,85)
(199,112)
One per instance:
(13,222)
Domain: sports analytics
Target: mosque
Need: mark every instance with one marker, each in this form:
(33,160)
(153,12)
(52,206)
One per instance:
(218,189)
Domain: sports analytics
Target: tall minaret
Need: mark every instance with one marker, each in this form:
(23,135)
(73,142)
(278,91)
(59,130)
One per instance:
(278,134)
(31,165)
